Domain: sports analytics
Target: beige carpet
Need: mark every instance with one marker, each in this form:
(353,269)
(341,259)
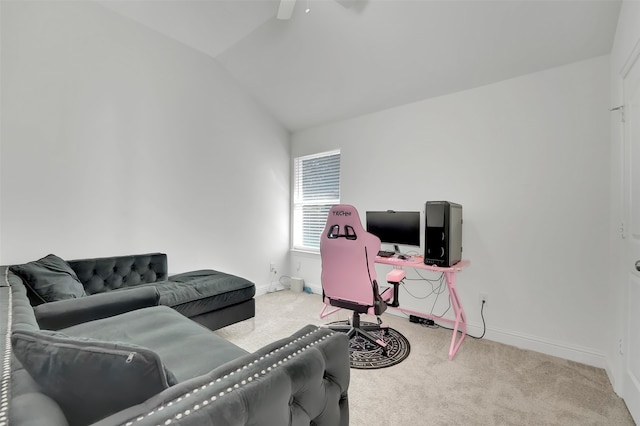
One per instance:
(487,383)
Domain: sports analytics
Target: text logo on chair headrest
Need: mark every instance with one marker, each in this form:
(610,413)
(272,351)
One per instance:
(341,213)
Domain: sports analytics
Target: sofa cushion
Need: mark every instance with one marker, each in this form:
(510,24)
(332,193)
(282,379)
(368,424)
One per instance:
(50,279)
(197,292)
(185,347)
(90,379)
(65,313)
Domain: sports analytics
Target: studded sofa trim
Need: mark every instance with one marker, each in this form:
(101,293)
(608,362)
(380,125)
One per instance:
(301,380)
(5,348)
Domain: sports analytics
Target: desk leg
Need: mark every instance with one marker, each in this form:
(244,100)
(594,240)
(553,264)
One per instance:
(460,324)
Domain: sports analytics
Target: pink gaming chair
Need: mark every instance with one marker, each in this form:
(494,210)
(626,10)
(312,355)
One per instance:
(349,281)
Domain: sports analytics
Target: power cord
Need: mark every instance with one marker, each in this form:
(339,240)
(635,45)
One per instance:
(438,290)
(484,324)
(274,272)
(435,290)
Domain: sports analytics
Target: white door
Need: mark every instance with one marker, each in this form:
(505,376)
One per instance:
(631,114)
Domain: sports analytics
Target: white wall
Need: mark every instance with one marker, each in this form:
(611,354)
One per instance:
(627,40)
(118,140)
(528,159)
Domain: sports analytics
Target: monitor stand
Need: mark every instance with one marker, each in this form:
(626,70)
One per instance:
(399,255)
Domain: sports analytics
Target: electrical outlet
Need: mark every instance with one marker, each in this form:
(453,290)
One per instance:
(272,267)
(621,346)
(483,298)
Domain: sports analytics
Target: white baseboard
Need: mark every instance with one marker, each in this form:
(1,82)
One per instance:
(542,345)
(536,344)
(269,288)
(529,342)
(266,288)
(613,378)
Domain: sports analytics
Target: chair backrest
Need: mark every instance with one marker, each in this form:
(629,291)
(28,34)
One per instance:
(348,254)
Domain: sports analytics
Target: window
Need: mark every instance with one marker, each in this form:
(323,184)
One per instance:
(316,189)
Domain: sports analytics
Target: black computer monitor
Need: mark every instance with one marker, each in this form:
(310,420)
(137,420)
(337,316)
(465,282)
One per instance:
(397,228)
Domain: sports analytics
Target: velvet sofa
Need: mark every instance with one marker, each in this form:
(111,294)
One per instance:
(61,290)
(154,366)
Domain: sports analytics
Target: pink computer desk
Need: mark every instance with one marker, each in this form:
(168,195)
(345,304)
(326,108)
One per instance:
(460,321)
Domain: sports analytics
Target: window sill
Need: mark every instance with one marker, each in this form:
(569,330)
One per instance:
(312,253)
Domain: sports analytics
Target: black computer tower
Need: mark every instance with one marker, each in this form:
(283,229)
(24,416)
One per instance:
(442,233)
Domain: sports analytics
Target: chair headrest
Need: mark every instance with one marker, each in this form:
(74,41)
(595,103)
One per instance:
(343,221)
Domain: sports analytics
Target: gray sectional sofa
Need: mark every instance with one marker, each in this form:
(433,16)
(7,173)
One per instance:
(212,298)
(138,363)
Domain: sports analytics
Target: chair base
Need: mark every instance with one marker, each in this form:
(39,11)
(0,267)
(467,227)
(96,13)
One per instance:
(355,328)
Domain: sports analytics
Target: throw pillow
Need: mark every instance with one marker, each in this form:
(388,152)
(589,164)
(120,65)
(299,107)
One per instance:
(90,379)
(50,278)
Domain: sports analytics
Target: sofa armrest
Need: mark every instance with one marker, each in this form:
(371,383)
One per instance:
(300,380)
(69,312)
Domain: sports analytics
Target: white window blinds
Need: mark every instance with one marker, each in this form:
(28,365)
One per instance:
(316,190)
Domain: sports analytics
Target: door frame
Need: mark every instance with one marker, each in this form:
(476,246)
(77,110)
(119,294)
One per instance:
(629,386)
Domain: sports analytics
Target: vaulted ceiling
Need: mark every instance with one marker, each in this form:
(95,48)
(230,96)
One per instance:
(351,57)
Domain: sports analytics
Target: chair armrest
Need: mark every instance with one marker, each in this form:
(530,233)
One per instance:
(69,312)
(394,278)
(300,380)
(391,299)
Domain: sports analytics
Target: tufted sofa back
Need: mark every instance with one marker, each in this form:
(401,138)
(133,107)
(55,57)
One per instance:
(110,273)
(301,380)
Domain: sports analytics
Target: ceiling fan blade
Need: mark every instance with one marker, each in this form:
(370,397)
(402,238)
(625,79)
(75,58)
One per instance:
(285,10)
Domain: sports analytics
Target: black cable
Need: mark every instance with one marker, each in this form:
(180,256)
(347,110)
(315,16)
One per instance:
(434,305)
(484,325)
(430,281)
(434,290)
(438,293)
(440,289)
(423,278)
(413,295)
